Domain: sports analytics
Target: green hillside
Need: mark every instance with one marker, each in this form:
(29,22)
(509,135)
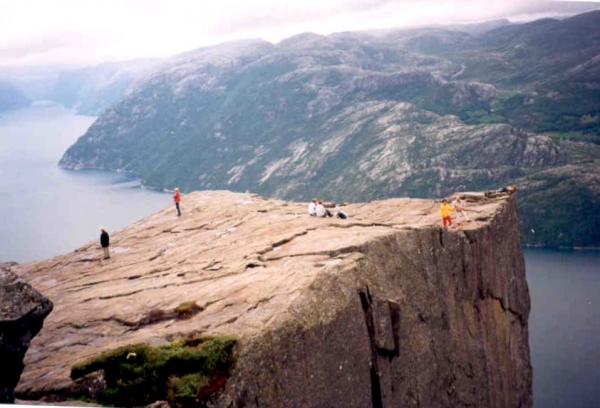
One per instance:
(358,116)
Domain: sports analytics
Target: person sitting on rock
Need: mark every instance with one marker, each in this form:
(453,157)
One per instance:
(322,211)
(445,210)
(312,208)
(339,213)
(508,190)
(459,206)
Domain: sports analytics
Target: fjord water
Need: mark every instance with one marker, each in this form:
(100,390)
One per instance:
(47,211)
(564,327)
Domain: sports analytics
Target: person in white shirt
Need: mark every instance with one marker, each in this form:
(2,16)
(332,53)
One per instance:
(322,211)
(312,208)
(459,207)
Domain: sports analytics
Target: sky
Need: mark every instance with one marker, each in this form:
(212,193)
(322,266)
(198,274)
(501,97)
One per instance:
(87,32)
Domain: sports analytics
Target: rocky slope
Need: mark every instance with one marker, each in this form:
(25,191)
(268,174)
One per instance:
(385,308)
(358,116)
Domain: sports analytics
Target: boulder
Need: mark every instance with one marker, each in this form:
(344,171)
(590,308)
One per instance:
(22,314)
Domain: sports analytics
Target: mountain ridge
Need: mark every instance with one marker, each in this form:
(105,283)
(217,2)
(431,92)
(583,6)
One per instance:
(358,117)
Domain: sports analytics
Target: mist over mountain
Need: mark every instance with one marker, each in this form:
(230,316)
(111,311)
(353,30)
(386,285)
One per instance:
(86,90)
(91,90)
(11,97)
(421,112)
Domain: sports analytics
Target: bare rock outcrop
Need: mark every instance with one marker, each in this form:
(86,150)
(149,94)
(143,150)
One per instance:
(383,309)
(22,314)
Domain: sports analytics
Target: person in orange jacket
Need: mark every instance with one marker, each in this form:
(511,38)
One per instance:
(446,209)
(177,199)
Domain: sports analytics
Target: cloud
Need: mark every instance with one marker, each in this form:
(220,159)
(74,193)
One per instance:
(31,47)
(40,31)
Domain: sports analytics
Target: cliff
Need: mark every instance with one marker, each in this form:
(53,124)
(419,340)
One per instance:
(383,309)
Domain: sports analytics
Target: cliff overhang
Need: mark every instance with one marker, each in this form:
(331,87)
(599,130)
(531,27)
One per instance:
(385,308)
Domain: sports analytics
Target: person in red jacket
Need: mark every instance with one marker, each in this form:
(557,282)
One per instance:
(177,199)
(445,210)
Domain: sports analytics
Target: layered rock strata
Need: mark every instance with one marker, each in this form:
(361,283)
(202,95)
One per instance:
(383,309)
(22,314)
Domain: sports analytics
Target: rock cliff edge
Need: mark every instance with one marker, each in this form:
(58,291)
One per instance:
(384,309)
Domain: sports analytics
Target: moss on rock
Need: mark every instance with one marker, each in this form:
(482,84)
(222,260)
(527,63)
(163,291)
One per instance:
(186,372)
(187,310)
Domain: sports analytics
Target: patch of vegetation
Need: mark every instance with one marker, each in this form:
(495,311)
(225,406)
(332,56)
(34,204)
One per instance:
(575,136)
(568,109)
(186,372)
(187,310)
(481,116)
(554,224)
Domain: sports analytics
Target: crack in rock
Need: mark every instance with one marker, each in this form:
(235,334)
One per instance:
(159,253)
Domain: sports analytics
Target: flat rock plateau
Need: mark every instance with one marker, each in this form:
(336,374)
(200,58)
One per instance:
(383,309)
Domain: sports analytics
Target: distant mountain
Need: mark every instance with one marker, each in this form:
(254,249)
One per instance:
(86,90)
(11,97)
(32,81)
(474,28)
(357,116)
(91,90)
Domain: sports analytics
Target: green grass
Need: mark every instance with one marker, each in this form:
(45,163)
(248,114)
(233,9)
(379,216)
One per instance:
(186,372)
(481,116)
(575,136)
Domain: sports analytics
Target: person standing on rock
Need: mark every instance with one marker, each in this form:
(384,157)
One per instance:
(177,199)
(445,210)
(459,206)
(105,242)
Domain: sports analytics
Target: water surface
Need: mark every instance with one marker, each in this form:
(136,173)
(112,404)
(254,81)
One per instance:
(564,327)
(47,211)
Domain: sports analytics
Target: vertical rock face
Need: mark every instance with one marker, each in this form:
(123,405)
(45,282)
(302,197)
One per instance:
(383,309)
(22,313)
(425,318)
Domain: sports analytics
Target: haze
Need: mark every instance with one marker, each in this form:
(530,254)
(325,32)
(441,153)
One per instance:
(75,32)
